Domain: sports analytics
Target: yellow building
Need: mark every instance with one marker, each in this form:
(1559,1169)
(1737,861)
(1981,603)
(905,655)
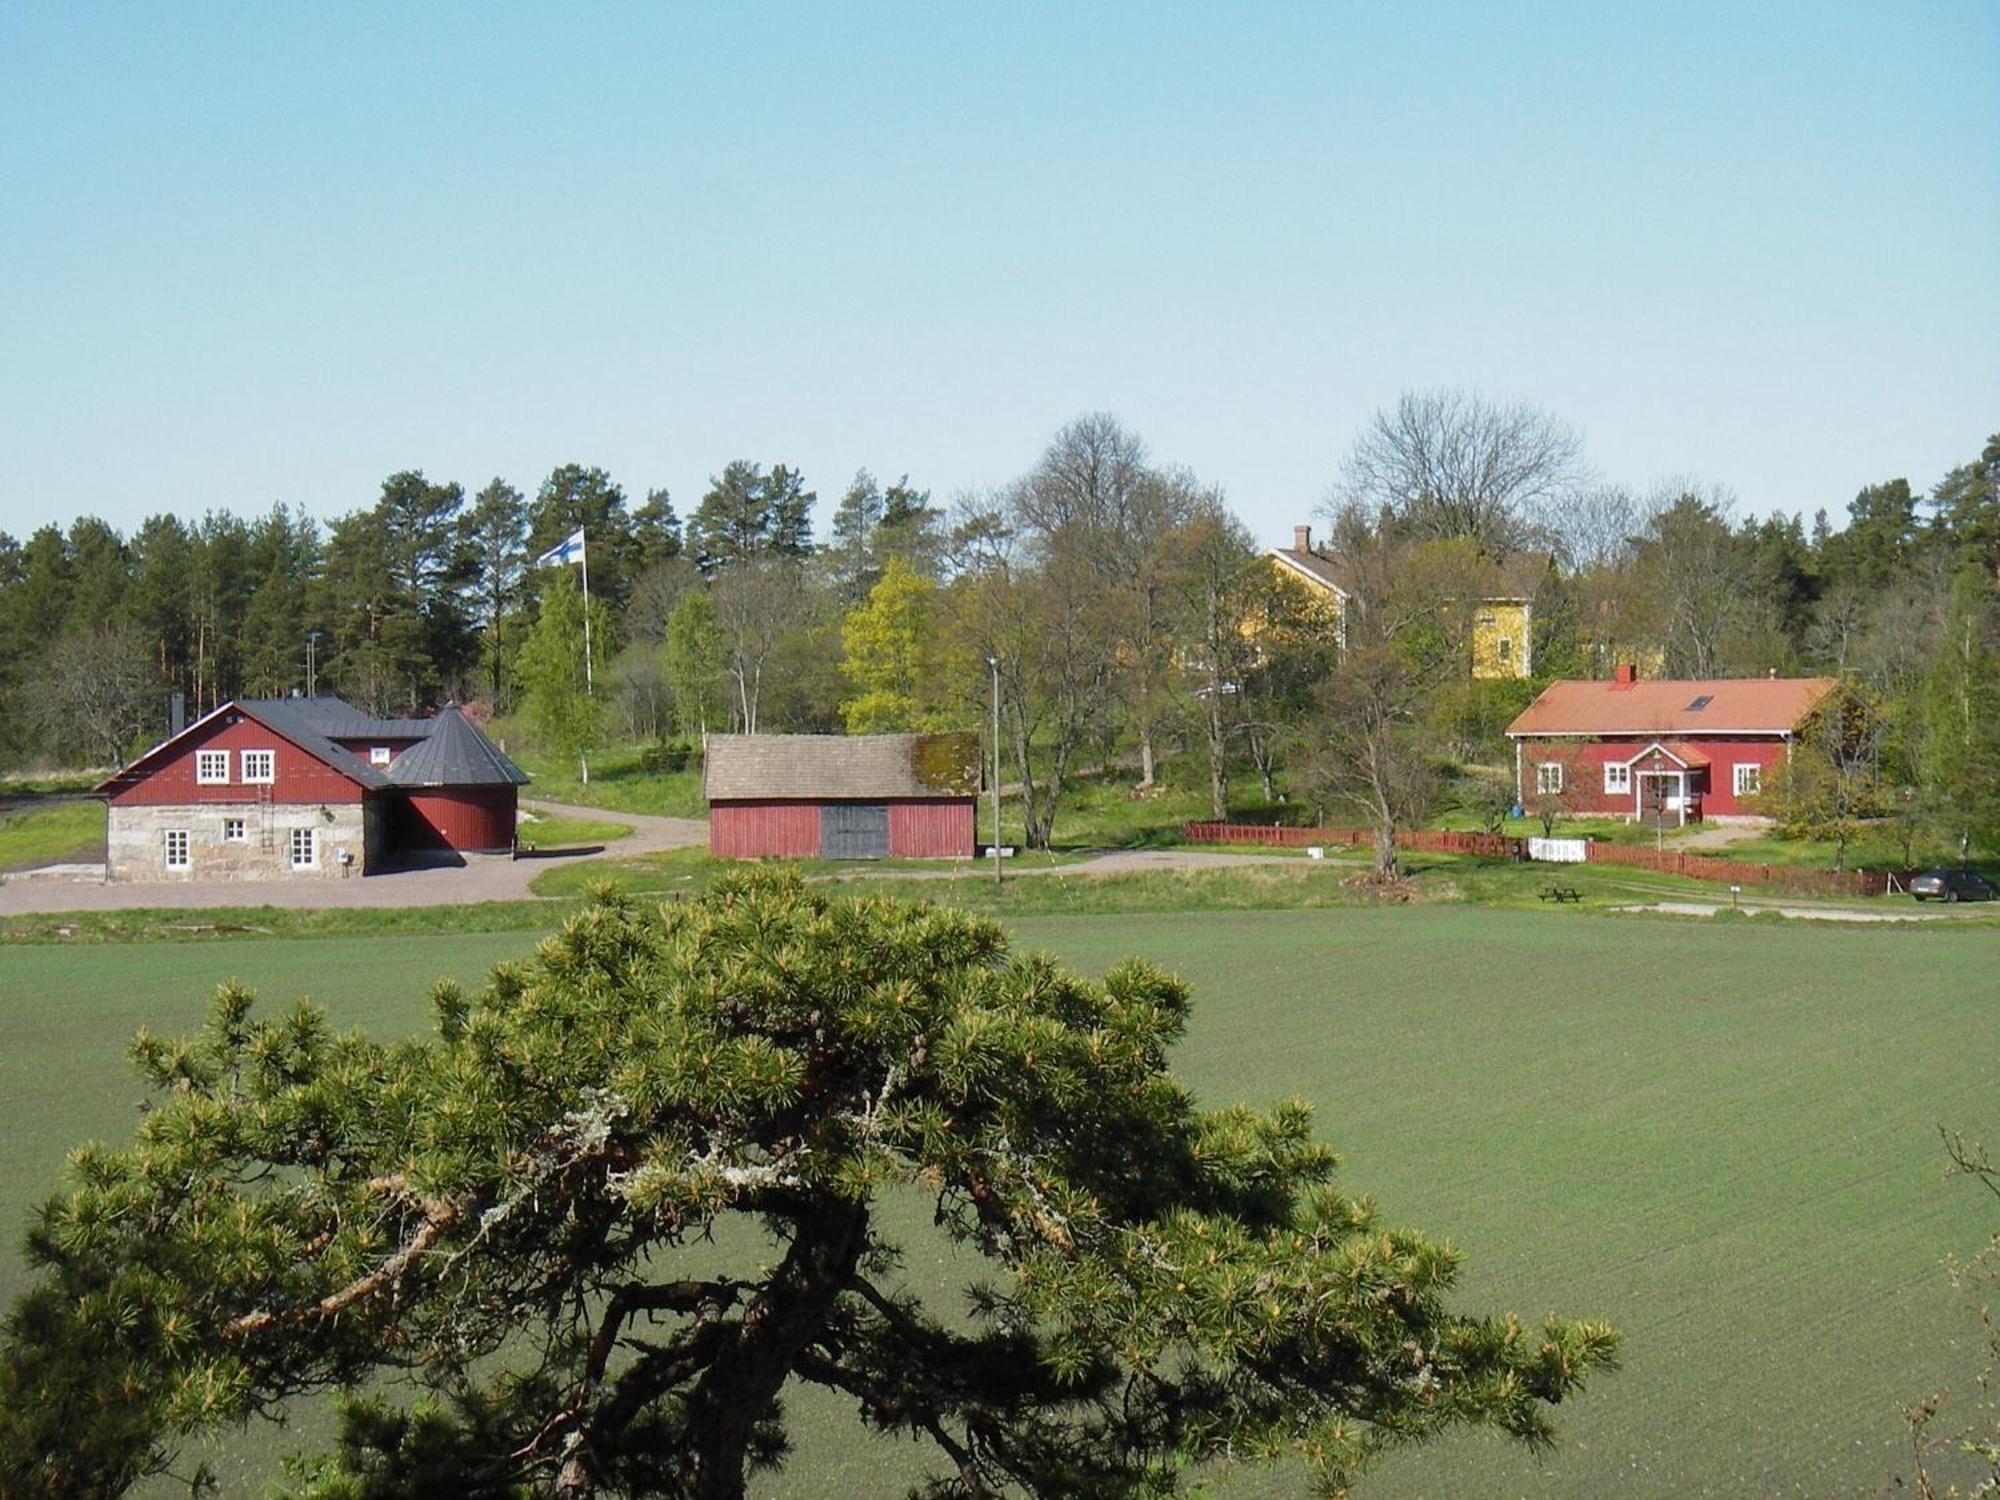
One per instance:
(1503,642)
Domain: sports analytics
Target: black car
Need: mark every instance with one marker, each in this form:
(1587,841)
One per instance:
(1951,885)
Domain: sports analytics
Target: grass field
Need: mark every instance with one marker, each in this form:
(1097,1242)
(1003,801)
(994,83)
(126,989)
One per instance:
(61,833)
(1721,1137)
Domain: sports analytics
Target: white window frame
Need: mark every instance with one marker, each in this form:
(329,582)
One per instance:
(311,836)
(203,760)
(1545,784)
(1503,650)
(176,841)
(1617,778)
(270,767)
(378,755)
(1755,778)
(235,830)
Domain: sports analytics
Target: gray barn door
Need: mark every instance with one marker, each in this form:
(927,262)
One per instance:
(853,830)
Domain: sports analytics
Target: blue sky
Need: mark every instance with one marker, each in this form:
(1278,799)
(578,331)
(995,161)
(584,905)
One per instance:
(264,253)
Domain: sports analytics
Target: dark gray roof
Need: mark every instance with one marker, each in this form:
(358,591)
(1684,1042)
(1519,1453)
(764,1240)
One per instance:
(832,767)
(454,753)
(337,719)
(299,720)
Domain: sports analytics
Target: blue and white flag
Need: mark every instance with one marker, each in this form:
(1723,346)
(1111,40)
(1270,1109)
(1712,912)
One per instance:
(568,550)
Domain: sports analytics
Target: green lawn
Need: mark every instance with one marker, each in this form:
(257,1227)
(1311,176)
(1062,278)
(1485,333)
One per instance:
(617,781)
(550,832)
(1720,1136)
(62,833)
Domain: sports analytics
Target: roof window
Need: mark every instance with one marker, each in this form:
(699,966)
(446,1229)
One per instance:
(1700,703)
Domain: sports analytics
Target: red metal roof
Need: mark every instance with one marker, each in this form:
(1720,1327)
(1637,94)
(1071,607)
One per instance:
(1666,708)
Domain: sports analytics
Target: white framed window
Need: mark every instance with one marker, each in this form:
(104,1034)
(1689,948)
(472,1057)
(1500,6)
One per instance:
(378,755)
(1505,649)
(1617,778)
(1749,778)
(305,848)
(211,768)
(235,831)
(177,848)
(260,767)
(1549,778)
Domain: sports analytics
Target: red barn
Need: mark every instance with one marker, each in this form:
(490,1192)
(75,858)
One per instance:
(307,787)
(870,796)
(1693,748)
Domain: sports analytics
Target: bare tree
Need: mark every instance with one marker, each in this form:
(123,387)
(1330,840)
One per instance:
(759,601)
(1211,560)
(1448,463)
(1368,747)
(1598,525)
(102,693)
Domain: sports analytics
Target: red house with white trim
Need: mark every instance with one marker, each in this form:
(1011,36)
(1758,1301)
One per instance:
(307,788)
(1692,748)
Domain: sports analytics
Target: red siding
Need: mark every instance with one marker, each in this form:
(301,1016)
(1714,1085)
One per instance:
(1714,784)
(301,777)
(931,830)
(475,820)
(763,830)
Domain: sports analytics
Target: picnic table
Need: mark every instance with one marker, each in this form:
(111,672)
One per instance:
(1561,893)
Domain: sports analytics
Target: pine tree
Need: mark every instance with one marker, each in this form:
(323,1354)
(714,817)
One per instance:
(501,1210)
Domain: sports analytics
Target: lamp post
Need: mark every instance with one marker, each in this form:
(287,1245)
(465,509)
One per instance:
(312,661)
(993,666)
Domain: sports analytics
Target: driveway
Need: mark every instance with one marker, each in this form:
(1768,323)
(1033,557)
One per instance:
(481,878)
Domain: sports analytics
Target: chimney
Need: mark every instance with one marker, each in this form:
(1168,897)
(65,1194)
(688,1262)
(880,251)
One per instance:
(1302,538)
(177,713)
(1624,674)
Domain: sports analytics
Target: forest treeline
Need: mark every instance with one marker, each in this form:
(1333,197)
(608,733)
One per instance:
(1113,599)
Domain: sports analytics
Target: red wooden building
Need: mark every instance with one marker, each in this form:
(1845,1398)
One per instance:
(1688,748)
(871,796)
(307,787)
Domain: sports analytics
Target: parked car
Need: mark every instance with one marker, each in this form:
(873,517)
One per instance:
(1951,885)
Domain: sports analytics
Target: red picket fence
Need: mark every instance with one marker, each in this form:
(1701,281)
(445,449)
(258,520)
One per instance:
(1423,840)
(1497,846)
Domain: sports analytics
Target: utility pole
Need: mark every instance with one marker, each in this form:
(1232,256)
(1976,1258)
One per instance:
(993,664)
(312,663)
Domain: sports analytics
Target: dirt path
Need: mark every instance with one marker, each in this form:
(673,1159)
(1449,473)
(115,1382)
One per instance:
(481,878)
(1716,835)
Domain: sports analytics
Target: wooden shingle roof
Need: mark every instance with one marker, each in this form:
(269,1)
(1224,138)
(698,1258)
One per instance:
(839,768)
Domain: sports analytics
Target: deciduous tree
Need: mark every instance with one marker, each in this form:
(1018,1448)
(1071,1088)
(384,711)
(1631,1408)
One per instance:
(566,714)
(892,655)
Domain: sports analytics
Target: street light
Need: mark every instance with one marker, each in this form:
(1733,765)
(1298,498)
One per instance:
(993,665)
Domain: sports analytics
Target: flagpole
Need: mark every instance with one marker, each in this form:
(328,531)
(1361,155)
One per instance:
(589,680)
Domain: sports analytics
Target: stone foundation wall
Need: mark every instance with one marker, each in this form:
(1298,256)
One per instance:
(136,842)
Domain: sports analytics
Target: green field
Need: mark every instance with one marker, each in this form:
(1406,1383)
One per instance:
(1723,1137)
(57,833)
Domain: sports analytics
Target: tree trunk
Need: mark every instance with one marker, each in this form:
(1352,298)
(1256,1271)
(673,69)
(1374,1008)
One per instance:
(1145,757)
(746,1374)
(1385,846)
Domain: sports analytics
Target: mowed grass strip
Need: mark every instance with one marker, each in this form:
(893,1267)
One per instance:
(1721,1137)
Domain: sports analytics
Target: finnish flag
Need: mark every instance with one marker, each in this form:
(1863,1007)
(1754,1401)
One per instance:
(568,550)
